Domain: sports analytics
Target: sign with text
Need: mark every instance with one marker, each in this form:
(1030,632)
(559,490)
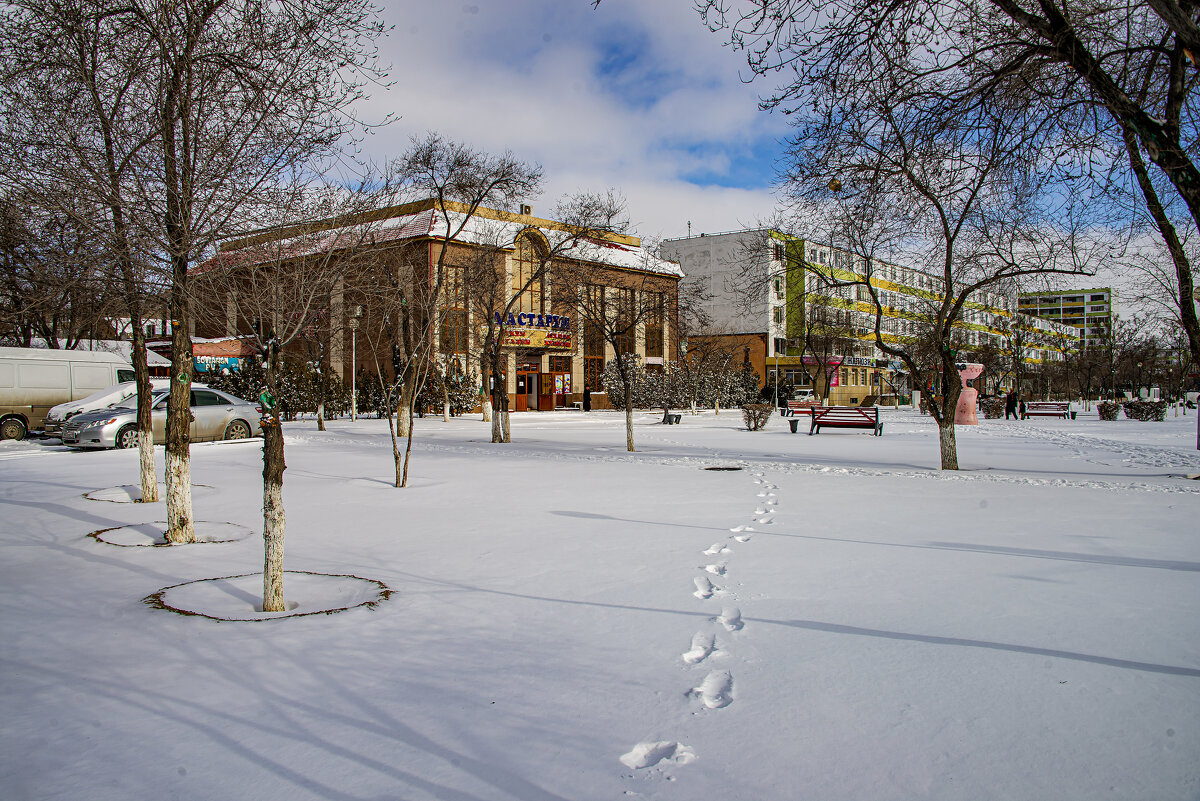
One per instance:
(527,330)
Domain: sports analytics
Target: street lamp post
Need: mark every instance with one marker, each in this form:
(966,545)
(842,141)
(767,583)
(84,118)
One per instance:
(353,365)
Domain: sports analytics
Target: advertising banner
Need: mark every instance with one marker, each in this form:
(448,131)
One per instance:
(527,330)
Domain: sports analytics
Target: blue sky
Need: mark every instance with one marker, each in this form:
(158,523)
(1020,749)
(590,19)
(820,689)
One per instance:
(636,96)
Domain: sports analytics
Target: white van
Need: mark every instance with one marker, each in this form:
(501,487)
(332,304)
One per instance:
(32,380)
(103,399)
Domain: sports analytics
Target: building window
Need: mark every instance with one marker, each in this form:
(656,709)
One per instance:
(656,313)
(453,332)
(526,280)
(593,340)
(624,322)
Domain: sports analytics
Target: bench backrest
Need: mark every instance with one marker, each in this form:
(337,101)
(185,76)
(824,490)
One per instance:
(1057,405)
(846,413)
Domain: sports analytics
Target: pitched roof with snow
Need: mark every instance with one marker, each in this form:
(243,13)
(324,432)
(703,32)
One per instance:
(424,221)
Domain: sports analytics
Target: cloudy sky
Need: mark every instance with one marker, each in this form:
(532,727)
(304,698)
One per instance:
(636,95)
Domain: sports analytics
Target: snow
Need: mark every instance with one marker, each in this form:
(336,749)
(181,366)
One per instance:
(874,628)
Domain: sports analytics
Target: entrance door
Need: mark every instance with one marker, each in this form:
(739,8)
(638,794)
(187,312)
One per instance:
(527,388)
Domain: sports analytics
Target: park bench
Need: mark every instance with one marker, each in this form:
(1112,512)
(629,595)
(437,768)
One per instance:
(843,417)
(671,419)
(1047,409)
(794,408)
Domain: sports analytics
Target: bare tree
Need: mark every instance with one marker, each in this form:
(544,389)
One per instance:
(54,283)
(1116,80)
(76,91)
(618,310)
(227,97)
(272,290)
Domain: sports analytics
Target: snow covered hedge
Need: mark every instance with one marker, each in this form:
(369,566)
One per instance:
(1108,410)
(677,385)
(300,387)
(1151,411)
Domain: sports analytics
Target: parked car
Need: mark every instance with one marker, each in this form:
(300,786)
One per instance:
(215,415)
(93,403)
(34,379)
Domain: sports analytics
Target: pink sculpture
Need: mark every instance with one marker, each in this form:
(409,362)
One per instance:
(964,413)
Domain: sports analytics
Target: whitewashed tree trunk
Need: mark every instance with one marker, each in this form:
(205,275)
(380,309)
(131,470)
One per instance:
(716,406)
(402,419)
(180,526)
(320,415)
(146,460)
(487,410)
(504,423)
(446,411)
(628,422)
(273,519)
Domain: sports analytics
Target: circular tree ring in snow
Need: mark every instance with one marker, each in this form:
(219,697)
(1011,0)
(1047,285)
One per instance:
(239,598)
(132,493)
(143,535)
(723,468)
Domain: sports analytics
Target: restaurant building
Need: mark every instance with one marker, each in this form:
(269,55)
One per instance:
(550,353)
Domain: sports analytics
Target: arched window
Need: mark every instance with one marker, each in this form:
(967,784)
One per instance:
(526,276)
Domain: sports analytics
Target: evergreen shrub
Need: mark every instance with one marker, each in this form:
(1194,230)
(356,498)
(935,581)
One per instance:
(1146,410)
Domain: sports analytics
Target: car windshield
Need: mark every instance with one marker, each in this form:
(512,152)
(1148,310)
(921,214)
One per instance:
(117,393)
(131,401)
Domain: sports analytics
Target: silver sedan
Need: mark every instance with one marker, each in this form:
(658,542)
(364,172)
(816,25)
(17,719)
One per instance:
(215,415)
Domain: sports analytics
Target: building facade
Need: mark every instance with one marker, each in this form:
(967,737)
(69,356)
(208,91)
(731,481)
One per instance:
(1092,311)
(492,273)
(773,291)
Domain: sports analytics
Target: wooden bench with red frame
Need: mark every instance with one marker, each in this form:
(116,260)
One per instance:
(795,407)
(866,417)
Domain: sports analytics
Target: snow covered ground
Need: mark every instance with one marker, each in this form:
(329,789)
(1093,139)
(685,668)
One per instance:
(836,620)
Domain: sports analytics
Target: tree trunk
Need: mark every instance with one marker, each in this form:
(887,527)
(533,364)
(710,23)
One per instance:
(498,423)
(404,416)
(948,444)
(149,476)
(628,420)
(273,518)
(180,525)
(487,409)
(505,421)
(321,415)
(407,452)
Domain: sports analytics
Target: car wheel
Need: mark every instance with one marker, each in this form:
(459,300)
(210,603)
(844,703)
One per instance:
(127,437)
(237,430)
(12,428)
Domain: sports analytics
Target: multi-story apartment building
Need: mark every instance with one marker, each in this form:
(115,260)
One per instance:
(773,294)
(1093,311)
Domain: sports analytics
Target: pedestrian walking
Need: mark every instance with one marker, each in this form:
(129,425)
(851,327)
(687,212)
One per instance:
(1010,405)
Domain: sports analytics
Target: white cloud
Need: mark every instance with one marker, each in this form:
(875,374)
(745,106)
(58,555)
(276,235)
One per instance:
(634,95)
